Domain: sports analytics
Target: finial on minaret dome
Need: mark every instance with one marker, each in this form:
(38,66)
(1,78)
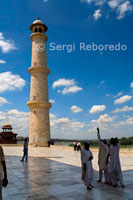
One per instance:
(38,18)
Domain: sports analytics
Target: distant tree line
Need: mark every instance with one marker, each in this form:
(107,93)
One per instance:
(123,142)
(126,141)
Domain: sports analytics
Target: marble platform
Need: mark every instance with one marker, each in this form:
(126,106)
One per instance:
(54,173)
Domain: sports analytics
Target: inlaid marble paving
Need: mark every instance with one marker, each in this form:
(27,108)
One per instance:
(54,173)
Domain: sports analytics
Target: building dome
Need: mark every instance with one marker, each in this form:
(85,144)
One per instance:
(38,21)
(6,126)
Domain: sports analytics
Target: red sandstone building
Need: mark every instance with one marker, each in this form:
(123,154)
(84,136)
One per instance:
(7,136)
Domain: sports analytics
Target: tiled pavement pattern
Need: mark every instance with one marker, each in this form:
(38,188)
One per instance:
(49,174)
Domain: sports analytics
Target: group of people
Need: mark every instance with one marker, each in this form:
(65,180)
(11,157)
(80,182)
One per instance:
(77,146)
(108,161)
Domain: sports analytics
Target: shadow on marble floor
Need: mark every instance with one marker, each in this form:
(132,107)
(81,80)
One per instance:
(41,178)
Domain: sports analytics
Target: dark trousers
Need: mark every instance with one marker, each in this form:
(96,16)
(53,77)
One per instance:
(25,155)
(75,147)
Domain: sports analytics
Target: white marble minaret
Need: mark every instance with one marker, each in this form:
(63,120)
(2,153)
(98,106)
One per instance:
(39,125)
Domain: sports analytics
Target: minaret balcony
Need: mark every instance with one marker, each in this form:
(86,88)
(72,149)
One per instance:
(39,104)
(38,35)
(39,69)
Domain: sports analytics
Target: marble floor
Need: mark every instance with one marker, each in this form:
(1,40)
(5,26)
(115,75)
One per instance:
(54,173)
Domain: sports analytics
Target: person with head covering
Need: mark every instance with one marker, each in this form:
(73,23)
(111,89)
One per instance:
(102,158)
(89,175)
(115,165)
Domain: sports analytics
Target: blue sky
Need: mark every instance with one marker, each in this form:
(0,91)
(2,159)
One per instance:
(87,88)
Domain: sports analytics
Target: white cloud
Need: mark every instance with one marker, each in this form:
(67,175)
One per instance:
(10,82)
(68,84)
(2,61)
(77,125)
(90,130)
(104,122)
(124,109)
(99,2)
(62,121)
(6,45)
(120,7)
(119,94)
(123,99)
(76,109)
(52,101)
(123,8)
(97,108)
(72,89)
(54,120)
(97,14)
(103,119)
(17,113)
(130,121)
(87,1)
(114,3)
(3,101)
(131,85)
(45,1)
(74,129)
(96,2)
(63,82)
(65,123)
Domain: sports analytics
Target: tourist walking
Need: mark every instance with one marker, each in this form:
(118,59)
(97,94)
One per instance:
(89,168)
(102,158)
(25,150)
(3,180)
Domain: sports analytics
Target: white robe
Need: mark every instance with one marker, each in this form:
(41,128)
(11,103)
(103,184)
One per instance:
(89,167)
(103,154)
(83,155)
(83,161)
(115,165)
(114,157)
